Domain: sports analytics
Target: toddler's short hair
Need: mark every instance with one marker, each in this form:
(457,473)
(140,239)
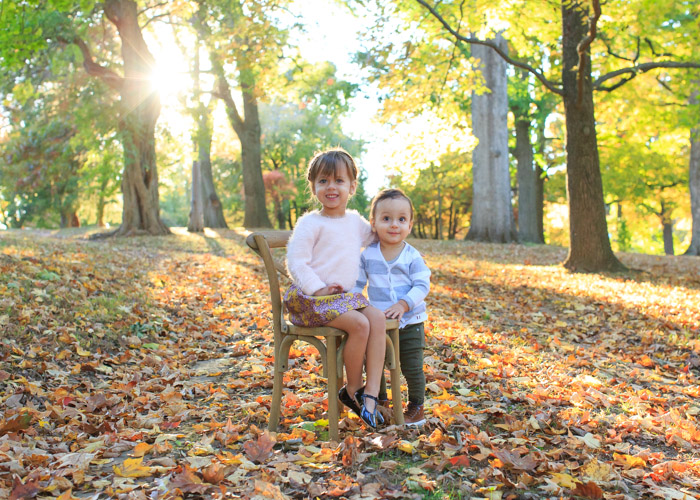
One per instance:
(389,194)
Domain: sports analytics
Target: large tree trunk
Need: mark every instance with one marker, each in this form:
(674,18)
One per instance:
(69,218)
(539,202)
(195,223)
(140,108)
(588,230)
(492,213)
(694,185)
(248,130)
(528,230)
(213,212)
(211,204)
(251,158)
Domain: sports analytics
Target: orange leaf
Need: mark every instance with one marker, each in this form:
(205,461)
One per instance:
(588,490)
(646,362)
(141,449)
(460,461)
(214,474)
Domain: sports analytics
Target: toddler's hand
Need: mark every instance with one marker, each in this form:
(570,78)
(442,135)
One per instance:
(397,310)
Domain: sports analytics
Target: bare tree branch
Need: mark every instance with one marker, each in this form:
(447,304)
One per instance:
(618,56)
(107,75)
(549,85)
(150,7)
(651,47)
(638,69)
(153,18)
(584,45)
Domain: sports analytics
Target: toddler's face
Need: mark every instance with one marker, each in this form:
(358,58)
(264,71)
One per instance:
(392,220)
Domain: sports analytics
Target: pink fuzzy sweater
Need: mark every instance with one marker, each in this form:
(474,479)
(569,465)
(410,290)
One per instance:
(324,250)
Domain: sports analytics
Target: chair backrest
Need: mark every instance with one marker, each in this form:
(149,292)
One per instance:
(262,242)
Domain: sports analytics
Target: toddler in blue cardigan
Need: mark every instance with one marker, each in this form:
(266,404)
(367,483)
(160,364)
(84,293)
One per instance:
(397,282)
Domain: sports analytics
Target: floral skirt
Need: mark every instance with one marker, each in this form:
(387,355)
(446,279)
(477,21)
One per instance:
(309,310)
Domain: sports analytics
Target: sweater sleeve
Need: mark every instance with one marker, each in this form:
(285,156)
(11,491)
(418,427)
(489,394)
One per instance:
(299,255)
(368,236)
(420,281)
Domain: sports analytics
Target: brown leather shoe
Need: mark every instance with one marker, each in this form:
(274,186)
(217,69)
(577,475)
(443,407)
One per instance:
(413,416)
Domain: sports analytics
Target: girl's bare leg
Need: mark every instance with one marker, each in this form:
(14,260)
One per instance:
(376,347)
(357,327)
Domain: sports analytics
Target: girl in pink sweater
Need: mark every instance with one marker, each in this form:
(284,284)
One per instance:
(323,257)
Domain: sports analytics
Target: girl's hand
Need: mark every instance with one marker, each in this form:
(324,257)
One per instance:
(397,310)
(329,290)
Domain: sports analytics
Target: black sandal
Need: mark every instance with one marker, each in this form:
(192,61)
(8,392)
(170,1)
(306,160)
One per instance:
(372,418)
(350,403)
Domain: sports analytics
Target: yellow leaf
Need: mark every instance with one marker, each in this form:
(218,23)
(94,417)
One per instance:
(564,480)
(141,449)
(629,460)
(132,468)
(561,324)
(598,471)
(406,447)
(325,455)
(82,352)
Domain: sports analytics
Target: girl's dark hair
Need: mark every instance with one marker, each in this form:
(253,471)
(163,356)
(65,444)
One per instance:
(325,163)
(389,194)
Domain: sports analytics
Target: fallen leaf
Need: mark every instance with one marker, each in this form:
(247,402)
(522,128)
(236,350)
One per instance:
(132,468)
(260,449)
(588,490)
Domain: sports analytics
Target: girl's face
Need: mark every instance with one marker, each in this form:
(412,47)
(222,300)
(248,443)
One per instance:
(333,191)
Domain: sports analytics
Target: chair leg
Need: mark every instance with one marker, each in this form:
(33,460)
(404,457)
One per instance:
(397,400)
(276,402)
(332,389)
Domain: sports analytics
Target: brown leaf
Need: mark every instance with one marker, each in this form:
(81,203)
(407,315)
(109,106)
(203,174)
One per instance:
(349,451)
(22,491)
(214,474)
(588,490)
(187,481)
(15,423)
(515,461)
(260,450)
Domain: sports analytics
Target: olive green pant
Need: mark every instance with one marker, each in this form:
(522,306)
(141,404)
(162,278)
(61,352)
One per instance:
(411,347)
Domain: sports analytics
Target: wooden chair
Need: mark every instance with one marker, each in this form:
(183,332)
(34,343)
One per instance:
(331,350)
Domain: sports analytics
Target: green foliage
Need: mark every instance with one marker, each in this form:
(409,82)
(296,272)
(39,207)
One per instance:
(305,118)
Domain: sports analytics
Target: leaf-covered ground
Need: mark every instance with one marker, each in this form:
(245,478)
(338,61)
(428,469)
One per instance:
(141,368)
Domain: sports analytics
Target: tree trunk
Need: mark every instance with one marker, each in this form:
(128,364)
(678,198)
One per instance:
(527,184)
(213,213)
(694,185)
(539,202)
(140,108)
(492,213)
(196,219)
(668,237)
(588,230)
(251,156)
(248,130)
(211,204)
(69,218)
